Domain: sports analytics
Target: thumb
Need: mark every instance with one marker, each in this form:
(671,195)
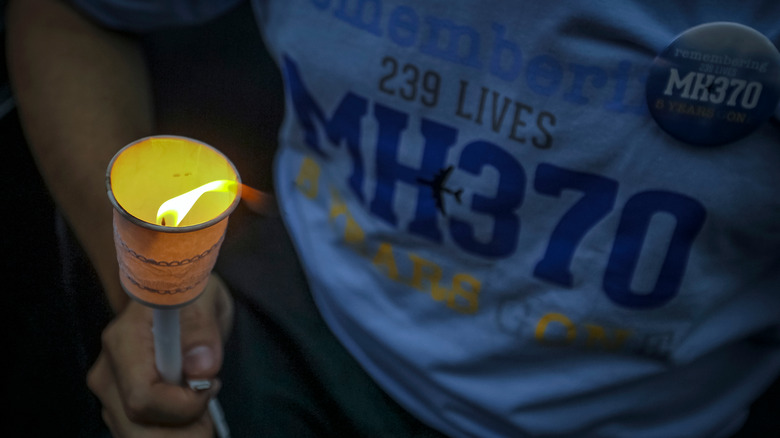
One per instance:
(200,361)
(201,340)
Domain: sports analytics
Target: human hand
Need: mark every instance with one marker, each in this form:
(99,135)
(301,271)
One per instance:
(136,401)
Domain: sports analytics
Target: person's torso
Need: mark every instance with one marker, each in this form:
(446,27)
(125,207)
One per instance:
(492,221)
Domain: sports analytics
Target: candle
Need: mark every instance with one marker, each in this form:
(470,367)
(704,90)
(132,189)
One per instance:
(172,197)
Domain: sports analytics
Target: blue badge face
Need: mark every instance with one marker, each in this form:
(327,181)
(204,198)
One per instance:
(715,84)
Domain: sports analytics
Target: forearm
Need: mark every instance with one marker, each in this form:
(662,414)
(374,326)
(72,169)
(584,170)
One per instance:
(82,94)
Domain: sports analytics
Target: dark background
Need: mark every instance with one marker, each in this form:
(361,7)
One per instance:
(213,82)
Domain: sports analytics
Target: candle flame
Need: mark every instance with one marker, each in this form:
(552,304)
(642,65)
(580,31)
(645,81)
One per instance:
(173,211)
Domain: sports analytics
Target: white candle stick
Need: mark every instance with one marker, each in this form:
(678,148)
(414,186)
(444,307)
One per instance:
(167,344)
(167,359)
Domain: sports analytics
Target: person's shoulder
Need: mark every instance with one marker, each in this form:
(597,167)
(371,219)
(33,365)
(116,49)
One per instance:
(149,15)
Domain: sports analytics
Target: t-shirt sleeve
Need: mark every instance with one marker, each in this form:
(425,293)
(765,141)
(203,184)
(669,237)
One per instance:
(149,15)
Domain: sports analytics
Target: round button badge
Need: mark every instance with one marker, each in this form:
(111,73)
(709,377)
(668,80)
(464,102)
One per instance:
(714,84)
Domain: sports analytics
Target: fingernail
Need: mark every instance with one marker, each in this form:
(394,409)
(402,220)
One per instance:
(199,385)
(198,360)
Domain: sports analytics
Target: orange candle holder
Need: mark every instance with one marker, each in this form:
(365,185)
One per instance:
(168,266)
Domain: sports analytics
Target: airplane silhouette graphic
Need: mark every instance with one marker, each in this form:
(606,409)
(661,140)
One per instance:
(439,189)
